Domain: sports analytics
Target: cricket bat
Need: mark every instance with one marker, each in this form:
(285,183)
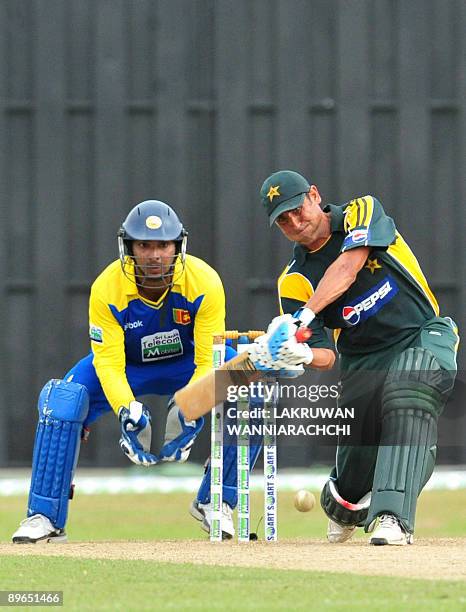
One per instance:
(198,398)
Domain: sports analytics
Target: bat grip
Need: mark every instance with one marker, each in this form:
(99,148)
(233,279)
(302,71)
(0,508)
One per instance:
(303,334)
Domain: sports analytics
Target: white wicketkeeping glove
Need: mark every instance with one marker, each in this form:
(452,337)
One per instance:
(278,349)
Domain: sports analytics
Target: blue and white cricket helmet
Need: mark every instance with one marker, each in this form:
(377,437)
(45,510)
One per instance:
(151,220)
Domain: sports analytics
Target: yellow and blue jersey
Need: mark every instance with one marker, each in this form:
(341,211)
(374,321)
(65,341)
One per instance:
(128,330)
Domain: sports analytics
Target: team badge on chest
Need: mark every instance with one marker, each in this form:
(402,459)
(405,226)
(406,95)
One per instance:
(181,316)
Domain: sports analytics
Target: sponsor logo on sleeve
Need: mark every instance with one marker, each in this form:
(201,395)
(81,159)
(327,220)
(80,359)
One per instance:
(368,304)
(96,334)
(356,237)
(161,345)
(181,316)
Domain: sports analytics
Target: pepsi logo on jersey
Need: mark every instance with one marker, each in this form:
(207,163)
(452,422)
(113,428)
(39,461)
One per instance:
(371,302)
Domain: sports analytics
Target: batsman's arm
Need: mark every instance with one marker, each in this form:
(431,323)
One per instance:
(324,359)
(200,396)
(294,291)
(338,278)
(376,231)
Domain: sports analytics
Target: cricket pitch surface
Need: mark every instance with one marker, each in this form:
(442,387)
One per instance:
(427,558)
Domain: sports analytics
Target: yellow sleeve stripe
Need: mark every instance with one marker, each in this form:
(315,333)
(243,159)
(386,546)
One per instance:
(369,210)
(279,282)
(401,253)
(359,213)
(457,343)
(283,274)
(295,286)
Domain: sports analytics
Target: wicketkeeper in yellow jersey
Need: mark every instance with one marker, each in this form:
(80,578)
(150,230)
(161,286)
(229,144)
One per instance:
(152,314)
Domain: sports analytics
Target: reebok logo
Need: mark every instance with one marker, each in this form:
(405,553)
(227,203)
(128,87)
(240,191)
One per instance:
(371,302)
(133,325)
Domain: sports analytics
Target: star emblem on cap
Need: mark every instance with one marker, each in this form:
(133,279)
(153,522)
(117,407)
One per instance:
(373,265)
(273,191)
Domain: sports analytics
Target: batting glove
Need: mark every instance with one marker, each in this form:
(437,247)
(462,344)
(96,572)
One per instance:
(278,349)
(136,433)
(179,435)
(305,316)
(290,372)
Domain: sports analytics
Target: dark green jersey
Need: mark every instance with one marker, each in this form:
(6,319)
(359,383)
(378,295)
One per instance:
(390,298)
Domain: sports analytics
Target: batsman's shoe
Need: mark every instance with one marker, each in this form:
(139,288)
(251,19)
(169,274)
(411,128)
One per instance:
(336,534)
(390,531)
(38,528)
(203,513)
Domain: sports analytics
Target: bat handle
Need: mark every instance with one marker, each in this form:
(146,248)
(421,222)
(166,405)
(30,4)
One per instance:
(303,334)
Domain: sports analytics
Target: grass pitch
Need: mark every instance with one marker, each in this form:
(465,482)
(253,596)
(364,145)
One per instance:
(113,584)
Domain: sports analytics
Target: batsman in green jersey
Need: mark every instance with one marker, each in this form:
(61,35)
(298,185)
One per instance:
(352,272)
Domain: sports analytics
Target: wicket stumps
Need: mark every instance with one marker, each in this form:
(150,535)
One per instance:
(216,451)
(243,454)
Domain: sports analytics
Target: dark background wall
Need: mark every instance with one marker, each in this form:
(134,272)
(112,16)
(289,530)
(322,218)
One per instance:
(105,103)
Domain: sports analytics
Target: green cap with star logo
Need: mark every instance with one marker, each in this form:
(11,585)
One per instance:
(282,191)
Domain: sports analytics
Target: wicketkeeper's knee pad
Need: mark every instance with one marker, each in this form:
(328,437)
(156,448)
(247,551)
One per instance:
(343,512)
(63,408)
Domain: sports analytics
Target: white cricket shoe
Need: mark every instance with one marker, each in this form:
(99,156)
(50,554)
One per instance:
(38,528)
(336,534)
(390,531)
(203,513)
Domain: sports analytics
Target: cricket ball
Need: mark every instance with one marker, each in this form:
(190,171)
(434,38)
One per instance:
(304,500)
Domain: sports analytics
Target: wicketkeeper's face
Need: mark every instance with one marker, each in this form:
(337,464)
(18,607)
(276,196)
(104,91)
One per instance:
(154,262)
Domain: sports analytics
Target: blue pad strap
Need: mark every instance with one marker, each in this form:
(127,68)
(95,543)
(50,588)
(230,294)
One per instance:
(230,467)
(63,408)
(230,476)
